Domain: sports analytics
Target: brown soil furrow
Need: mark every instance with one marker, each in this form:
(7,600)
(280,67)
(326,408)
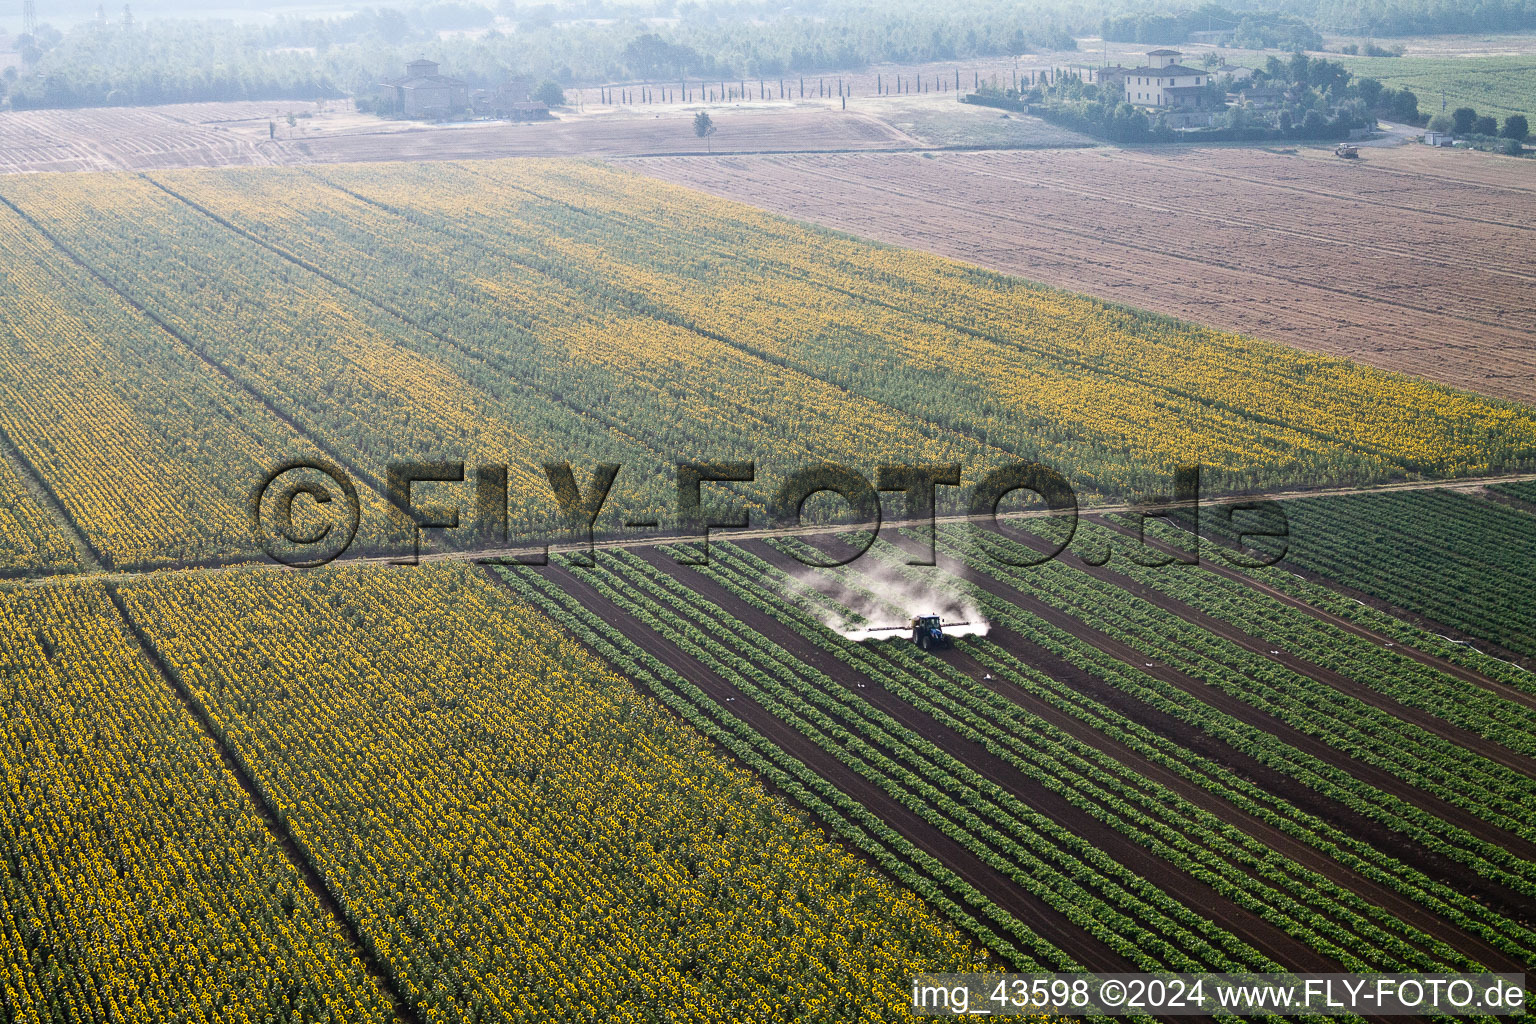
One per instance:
(1231,706)
(1375,264)
(1281,842)
(1316,190)
(1190,737)
(1275,651)
(1003,891)
(1196,211)
(1451,668)
(1243,923)
(1306,278)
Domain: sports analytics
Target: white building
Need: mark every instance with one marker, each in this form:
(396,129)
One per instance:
(1164,82)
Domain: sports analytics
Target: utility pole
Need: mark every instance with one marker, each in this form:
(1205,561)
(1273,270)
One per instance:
(29,19)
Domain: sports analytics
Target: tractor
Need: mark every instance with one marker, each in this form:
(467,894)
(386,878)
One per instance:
(1344,151)
(927,631)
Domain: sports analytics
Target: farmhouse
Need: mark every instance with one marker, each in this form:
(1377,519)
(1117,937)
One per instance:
(1165,83)
(531,110)
(501,99)
(1264,97)
(422,92)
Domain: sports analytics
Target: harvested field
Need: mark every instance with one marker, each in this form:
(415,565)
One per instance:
(125,138)
(225,134)
(743,129)
(1401,260)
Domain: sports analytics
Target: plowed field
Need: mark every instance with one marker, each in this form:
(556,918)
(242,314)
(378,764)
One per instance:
(1408,260)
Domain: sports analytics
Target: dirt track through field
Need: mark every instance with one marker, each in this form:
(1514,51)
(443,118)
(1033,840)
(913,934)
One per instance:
(1424,271)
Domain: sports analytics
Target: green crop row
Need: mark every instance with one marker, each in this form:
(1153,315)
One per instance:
(1364,733)
(1243,869)
(1347,849)
(1127,914)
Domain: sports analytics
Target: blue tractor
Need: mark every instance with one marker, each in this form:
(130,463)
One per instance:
(927,631)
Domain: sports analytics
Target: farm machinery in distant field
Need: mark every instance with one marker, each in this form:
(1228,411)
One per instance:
(1344,151)
(927,631)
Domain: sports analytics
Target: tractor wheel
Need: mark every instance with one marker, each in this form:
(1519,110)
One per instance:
(923,642)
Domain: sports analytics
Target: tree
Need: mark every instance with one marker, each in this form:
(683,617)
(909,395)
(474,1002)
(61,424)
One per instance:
(1369,90)
(1462,120)
(1485,125)
(650,56)
(1404,106)
(550,94)
(1516,127)
(704,128)
(1297,70)
(1441,123)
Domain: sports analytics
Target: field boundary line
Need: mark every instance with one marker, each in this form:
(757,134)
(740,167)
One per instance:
(1069,937)
(376,303)
(197,351)
(1338,679)
(313,879)
(1435,661)
(768,533)
(1205,213)
(513,554)
(1257,717)
(1003,341)
(91,559)
(664,315)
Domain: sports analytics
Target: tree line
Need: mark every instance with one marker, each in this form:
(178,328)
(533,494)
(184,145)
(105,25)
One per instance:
(119,62)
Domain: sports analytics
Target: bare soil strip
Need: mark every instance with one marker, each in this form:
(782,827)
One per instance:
(1243,923)
(1461,672)
(1429,861)
(1040,916)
